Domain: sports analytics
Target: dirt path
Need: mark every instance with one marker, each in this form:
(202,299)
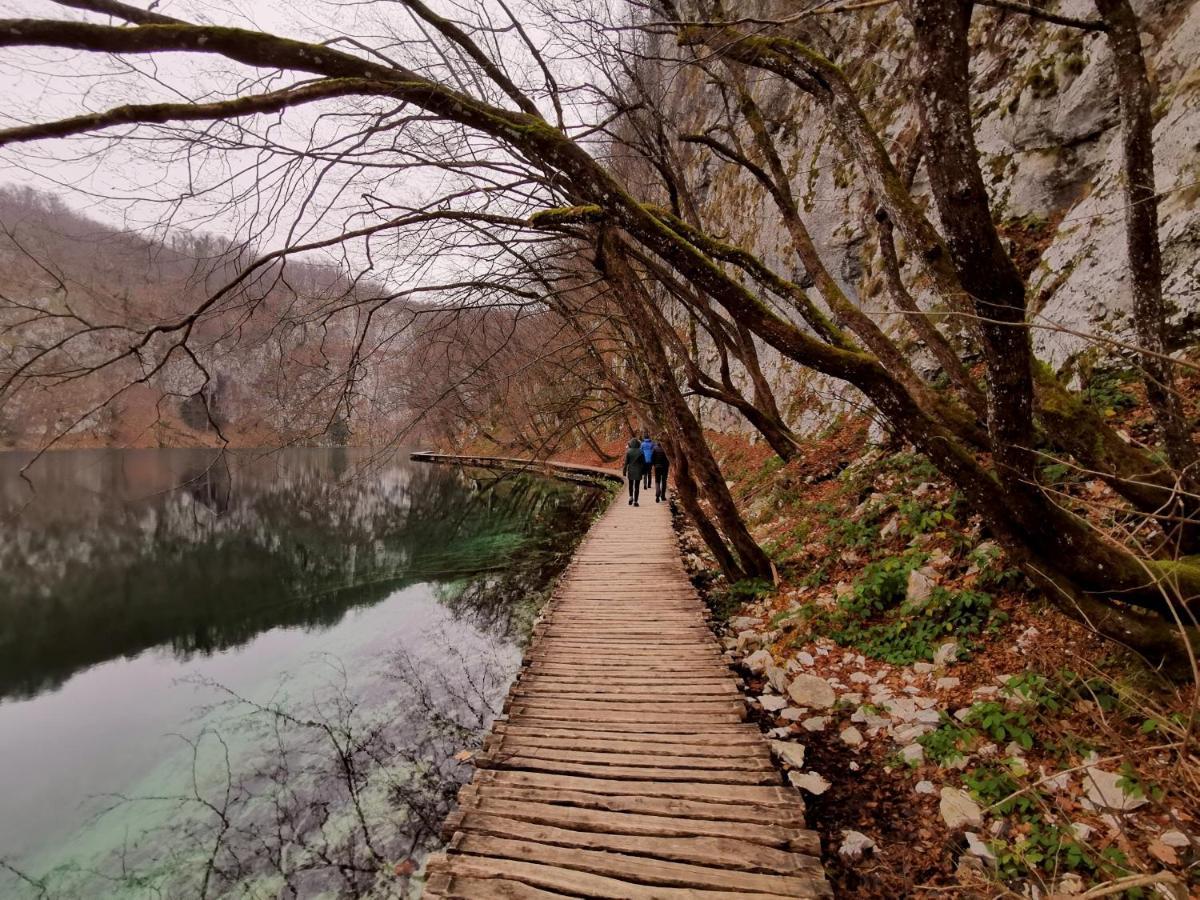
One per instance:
(624,767)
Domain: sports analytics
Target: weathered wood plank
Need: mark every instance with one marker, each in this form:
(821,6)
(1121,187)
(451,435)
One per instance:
(628,867)
(605,821)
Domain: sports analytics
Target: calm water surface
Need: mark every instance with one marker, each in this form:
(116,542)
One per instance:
(251,674)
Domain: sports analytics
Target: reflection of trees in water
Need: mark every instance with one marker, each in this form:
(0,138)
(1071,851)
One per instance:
(236,552)
(344,797)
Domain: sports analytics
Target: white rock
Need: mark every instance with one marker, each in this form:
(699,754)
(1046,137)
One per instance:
(890,529)
(946,653)
(777,678)
(851,737)
(925,702)
(901,708)
(925,787)
(791,714)
(947,683)
(815,723)
(1082,831)
(808,781)
(789,752)
(758,661)
(1176,839)
(1012,748)
(854,767)
(854,845)
(860,678)
(986,691)
(771,703)
(748,640)
(978,848)
(959,810)
(929,716)
(906,734)
(811,691)
(805,658)
(922,668)
(1103,790)
(854,697)
(1070,885)
(782,731)
(913,754)
(921,583)
(743,623)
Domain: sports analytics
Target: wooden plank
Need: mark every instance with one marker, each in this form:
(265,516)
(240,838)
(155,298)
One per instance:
(575,883)
(632,868)
(635,824)
(625,757)
(762,795)
(508,761)
(721,852)
(711,749)
(791,816)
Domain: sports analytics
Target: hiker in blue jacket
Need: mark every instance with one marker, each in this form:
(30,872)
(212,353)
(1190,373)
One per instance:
(633,468)
(647,455)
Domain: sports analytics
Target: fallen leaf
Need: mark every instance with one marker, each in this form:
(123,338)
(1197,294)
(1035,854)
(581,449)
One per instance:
(464,755)
(406,868)
(1163,853)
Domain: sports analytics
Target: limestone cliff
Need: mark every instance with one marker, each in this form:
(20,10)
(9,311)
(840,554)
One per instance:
(1046,127)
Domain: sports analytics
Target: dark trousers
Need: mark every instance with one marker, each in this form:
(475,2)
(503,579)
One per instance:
(660,484)
(635,484)
(647,471)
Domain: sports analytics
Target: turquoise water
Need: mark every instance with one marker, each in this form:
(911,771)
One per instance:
(249,674)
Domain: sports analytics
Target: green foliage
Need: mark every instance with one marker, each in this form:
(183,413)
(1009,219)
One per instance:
(1003,724)
(915,465)
(947,742)
(916,518)
(725,602)
(881,585)
(1043,847)
(908,635)
(1105,389)
(851,533)
(995,787)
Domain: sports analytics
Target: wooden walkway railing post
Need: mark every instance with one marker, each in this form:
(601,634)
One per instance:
(622,767)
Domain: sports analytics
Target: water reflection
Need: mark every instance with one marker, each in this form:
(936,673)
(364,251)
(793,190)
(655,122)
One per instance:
(250,675)
(116,552)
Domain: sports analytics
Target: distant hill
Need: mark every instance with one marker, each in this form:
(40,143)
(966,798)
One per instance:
(76,293)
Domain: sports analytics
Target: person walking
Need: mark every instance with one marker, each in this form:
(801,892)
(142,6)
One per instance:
(647,453)
(634,468)
(661,464)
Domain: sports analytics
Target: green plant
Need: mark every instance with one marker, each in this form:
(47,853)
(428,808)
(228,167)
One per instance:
(1105,389)
(1003,724)
(947,742)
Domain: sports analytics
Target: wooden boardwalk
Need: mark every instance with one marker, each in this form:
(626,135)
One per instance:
(623,767)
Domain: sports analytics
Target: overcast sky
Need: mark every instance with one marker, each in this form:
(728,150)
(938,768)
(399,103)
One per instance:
(135,183)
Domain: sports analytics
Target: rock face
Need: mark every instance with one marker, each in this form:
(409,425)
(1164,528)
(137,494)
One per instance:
(1046,119)
(811,691)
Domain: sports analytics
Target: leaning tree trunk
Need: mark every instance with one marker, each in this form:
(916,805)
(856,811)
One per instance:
(751,558)
(1141,236)
(685,490)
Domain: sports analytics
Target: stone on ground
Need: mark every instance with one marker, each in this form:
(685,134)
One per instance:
(959,810)
(854,845)
(808,781)
(811,691)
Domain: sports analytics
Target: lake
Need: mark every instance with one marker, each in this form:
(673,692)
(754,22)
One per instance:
(249,673)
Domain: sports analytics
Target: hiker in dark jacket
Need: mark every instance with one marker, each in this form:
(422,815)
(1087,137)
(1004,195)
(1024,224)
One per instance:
(633,469)
(647,452)
(661,464)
